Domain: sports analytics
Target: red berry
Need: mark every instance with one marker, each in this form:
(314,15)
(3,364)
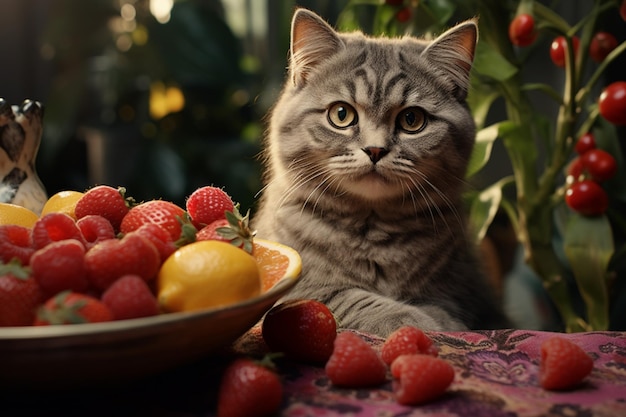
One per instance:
(54,227)
(601,45)
(103,200)
(130,297)
(404,15)
(208,204)
(94,229)
(585,143)
(162,213)
(587,198)
(422,378)
(248,389)
(563,364)
(15,242)
(404,341)
(522,30)
(354,363)
(558,50)
(110,259)
(20,295)
(72,308)
(60,266)
(600,164)
(575,169)
(612,103)
(303,330)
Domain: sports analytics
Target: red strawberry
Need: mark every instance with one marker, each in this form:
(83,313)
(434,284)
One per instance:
(15,242)
(208,204)
(354,363)
(303,330)
(163,213)
(249,389)
(130,297)
(72,308)
(19,295)
(108,202)
(422,378)
(54,227)
(406,340)
(563,364)
(60,266)
(234,229)
(95,228)
(113,258)
(160,238)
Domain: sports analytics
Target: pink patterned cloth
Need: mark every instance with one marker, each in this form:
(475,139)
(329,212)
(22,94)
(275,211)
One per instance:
(496,375)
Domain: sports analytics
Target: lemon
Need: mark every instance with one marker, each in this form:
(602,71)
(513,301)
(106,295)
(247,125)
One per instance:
(62,202)
(18,215)
(207,274)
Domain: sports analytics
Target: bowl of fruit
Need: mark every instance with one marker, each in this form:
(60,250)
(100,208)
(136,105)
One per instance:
(99,288)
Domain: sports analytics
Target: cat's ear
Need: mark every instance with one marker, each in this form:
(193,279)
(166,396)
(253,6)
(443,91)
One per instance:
(453,52)
(312,41)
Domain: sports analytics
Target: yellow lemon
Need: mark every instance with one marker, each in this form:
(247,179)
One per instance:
(18,215)
(207,274)
(62,202)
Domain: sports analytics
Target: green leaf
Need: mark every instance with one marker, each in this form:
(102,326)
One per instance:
(482,149)
(480,97)
(522,151)
(490,63)
(588,245)
(484,207)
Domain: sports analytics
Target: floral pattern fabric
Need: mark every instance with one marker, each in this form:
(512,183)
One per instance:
(497,374)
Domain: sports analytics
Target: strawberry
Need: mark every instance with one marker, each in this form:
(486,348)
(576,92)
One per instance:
(60,266)
(108,202)
(94,229)
(159,237)
(19,295)
(163,213)
(563,364)
(113,258)
(406,340)
(354,363)
(304,330)
(15,242)
(72,308)
(249,389)
(421,378)
(130,297)
(54,227)
(234,229)
(208,204)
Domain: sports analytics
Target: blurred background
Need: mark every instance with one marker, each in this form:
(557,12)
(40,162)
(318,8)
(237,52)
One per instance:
(165,96)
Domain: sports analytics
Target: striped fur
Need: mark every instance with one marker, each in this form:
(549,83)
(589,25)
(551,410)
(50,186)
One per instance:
(382,240)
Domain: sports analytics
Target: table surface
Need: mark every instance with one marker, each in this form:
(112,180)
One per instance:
(496,375)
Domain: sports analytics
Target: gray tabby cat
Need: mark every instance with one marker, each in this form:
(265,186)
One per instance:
(366,153)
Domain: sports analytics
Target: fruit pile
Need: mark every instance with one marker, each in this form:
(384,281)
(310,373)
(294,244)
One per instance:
(305,331)
(98,256)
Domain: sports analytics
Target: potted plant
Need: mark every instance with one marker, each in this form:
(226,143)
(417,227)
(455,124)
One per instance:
(567,185)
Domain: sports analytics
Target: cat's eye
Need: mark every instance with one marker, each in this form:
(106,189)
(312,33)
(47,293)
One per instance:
(411,120)
(342,115)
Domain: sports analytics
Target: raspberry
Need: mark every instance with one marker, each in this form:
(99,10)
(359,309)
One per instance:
(94,229)
(54,227)
(159,237)
(406,340)
(15,242)
(422,378)
(354,363)
(60,266)
(563,364)
(130,297)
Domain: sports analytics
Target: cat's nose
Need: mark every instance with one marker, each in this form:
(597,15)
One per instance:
(375,153)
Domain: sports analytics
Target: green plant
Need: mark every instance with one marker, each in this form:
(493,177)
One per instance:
(562,246)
